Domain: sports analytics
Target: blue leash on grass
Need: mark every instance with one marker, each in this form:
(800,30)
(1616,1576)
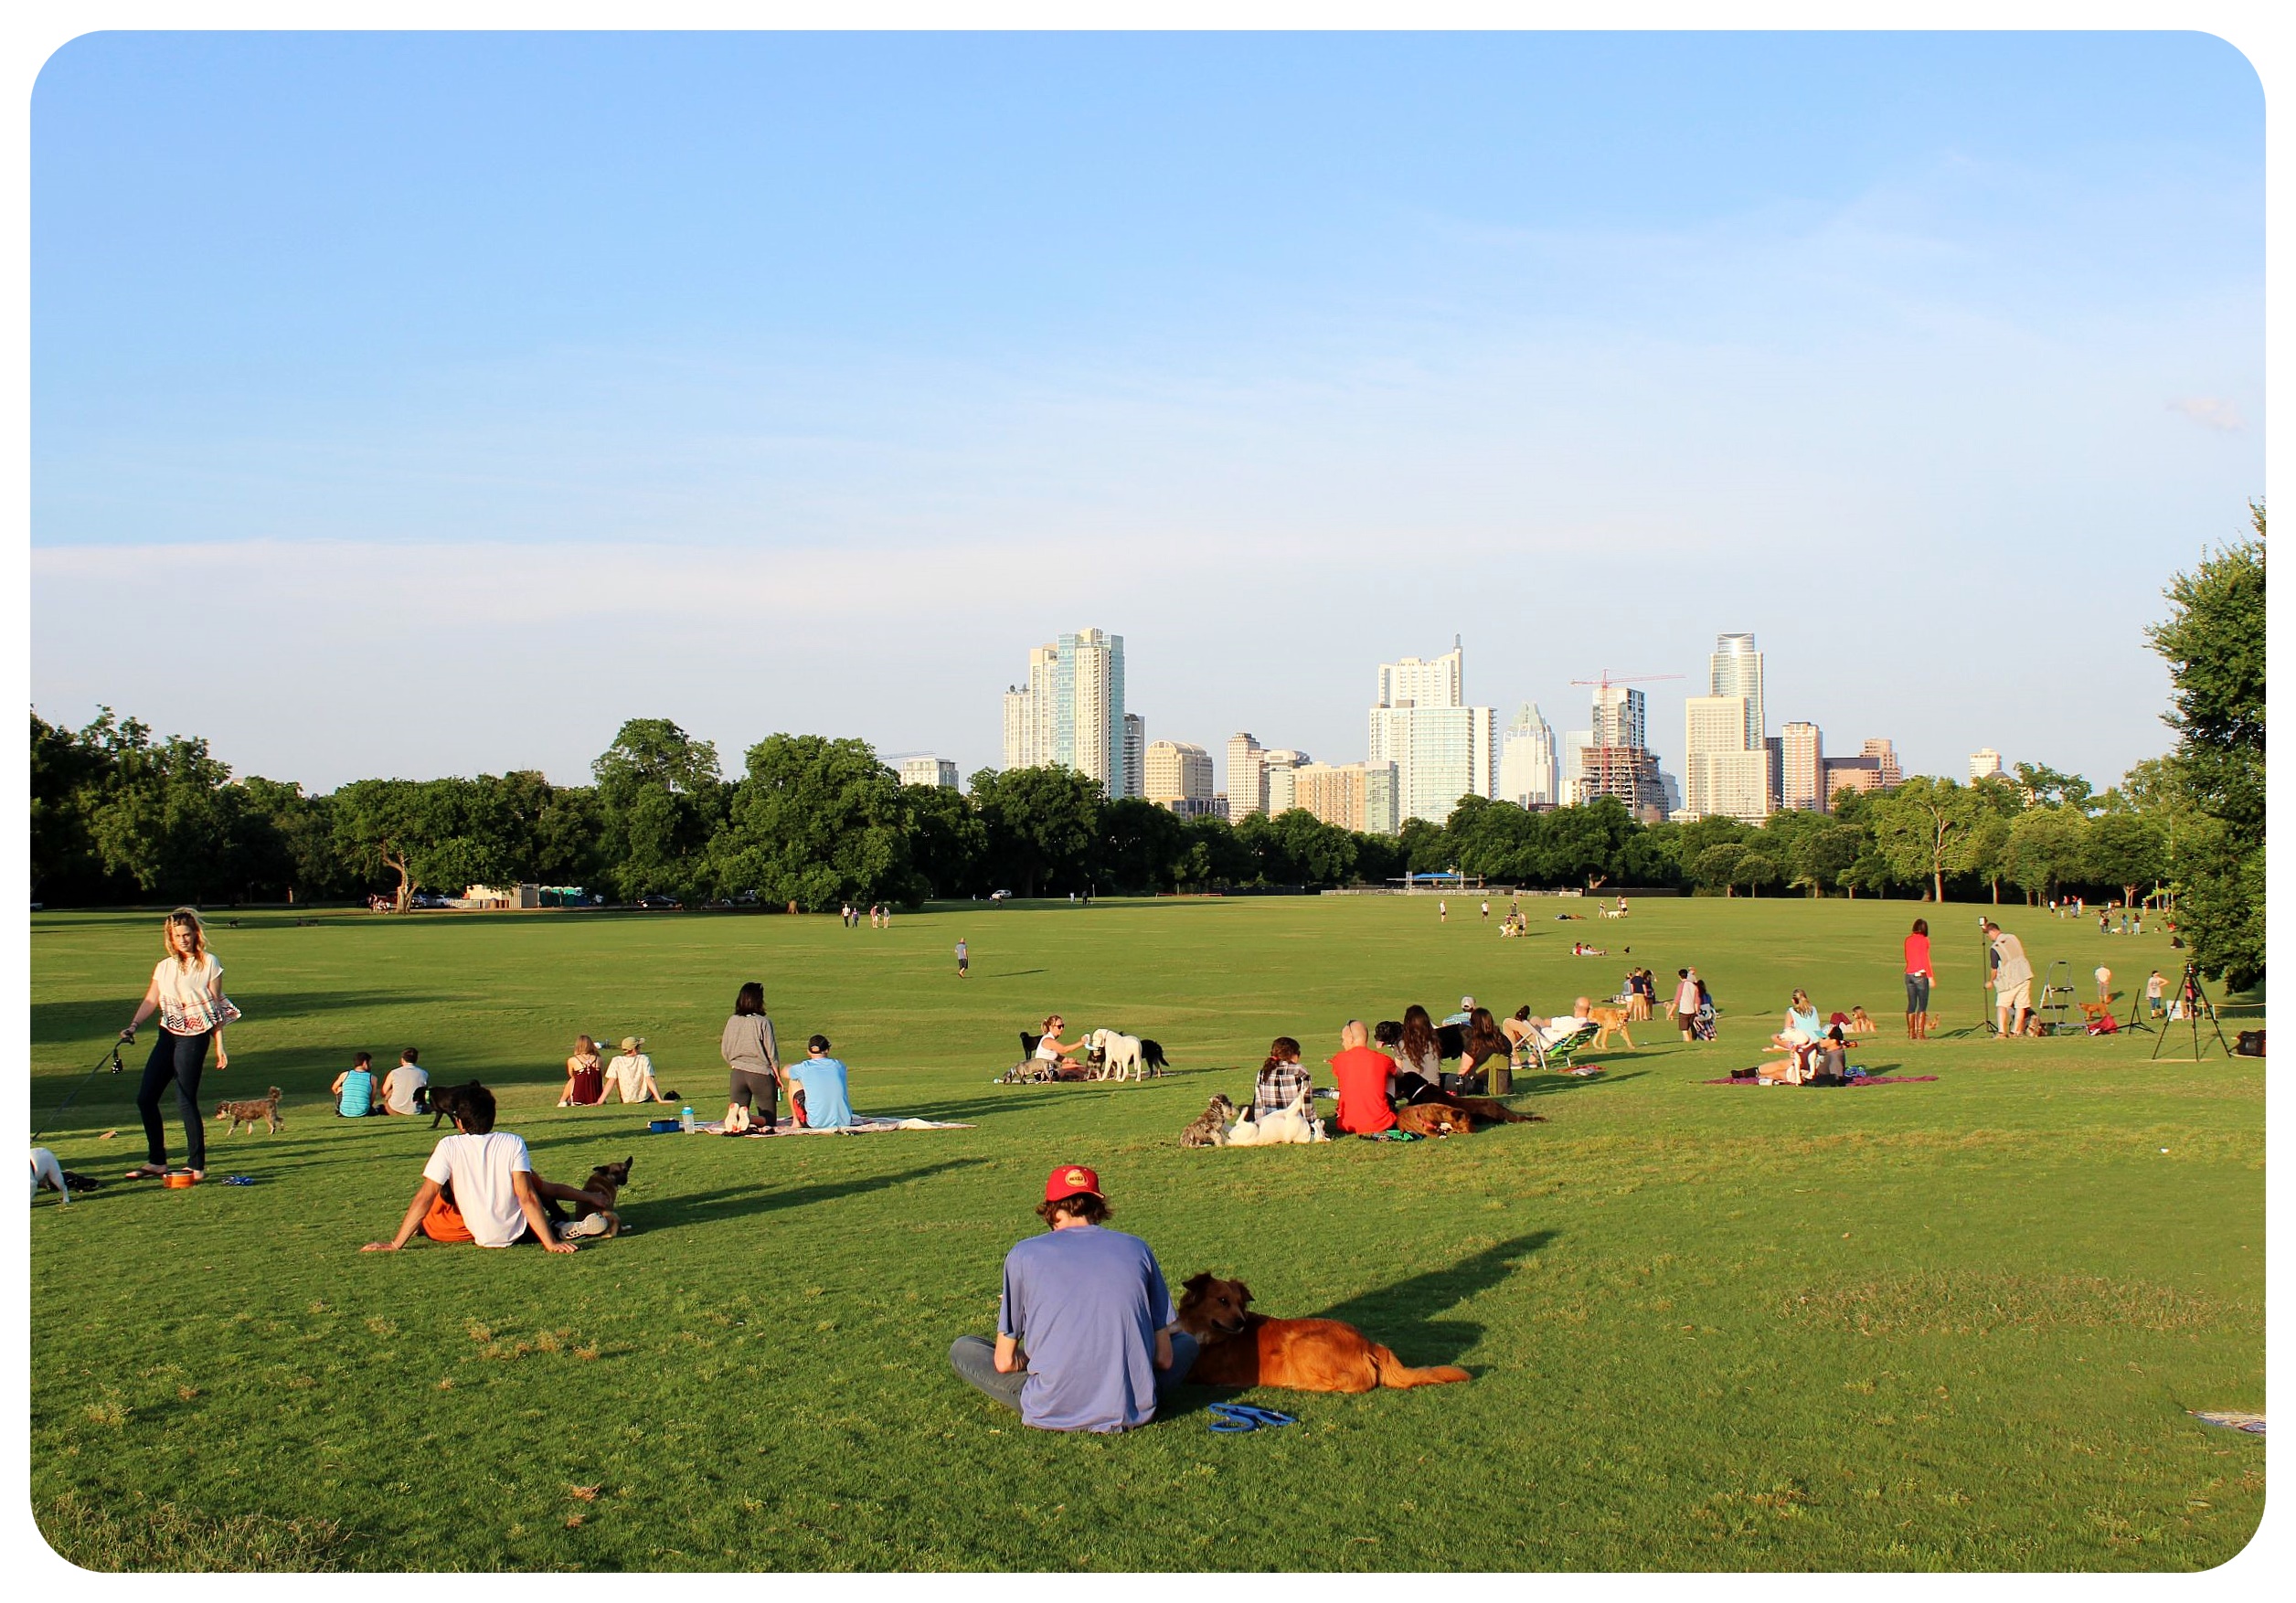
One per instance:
(1233,1419)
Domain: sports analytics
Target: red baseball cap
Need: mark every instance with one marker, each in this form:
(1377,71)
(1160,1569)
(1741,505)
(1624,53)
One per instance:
(1071,1181)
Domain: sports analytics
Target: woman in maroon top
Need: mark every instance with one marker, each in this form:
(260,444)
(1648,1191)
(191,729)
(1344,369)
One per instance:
(1918,979)
(585,1076)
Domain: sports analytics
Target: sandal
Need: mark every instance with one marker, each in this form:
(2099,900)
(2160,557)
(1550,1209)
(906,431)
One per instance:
(148,1172)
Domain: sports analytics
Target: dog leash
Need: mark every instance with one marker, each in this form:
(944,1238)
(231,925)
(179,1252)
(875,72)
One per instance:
(1234,1418)
(112,1057)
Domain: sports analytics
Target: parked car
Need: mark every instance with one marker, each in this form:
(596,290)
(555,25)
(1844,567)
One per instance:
(427,899)
(1000,896)
(658,900)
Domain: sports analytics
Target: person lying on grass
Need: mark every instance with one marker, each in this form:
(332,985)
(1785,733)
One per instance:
(821,1083)
(1104,1351)
(480,1186)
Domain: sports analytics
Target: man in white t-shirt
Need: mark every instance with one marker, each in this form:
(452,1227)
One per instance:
(400,1086)
(480,1186)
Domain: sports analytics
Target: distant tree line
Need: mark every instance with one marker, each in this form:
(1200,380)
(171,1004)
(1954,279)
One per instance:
(810,822)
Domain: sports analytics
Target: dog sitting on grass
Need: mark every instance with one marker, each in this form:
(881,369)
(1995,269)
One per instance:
(247,1113)
(1210,1129)
(606,1182)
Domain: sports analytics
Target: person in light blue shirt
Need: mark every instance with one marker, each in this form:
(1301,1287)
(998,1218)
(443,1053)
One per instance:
(354,1087)
(821,1080)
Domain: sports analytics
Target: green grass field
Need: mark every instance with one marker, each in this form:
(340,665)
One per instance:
(1924,1326)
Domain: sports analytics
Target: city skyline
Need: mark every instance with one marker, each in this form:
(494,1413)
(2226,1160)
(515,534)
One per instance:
(757,426)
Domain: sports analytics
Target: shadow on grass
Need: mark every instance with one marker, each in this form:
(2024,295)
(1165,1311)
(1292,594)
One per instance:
(1536,1084)
(63,1023)
(1403,1316)
(734,1202)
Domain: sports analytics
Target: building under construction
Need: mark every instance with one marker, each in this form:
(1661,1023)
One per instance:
(1628,772)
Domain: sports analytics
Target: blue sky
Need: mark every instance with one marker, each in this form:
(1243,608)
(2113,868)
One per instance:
(477,392)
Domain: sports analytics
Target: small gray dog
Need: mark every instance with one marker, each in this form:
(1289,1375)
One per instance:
(1210,1129)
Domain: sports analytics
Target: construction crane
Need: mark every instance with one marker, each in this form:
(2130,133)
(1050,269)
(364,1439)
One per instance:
(1605,682)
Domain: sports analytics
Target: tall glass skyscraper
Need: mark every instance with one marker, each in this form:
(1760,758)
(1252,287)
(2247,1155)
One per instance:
(1072,713)
(1736,669)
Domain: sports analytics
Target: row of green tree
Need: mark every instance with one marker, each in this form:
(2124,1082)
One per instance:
(118,816)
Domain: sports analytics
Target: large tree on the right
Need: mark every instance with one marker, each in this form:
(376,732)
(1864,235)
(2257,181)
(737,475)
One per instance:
(2214,642)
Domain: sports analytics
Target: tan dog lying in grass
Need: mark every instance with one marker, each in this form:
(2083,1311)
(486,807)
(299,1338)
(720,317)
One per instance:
(1240,1348)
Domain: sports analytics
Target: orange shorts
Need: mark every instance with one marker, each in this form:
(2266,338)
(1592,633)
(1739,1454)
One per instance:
(444,1221)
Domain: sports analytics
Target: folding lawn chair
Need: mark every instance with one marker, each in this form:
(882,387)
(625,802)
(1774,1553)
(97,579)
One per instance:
(1563,1053)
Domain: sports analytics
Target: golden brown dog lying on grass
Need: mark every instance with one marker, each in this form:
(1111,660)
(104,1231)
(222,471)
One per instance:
(1239,1348)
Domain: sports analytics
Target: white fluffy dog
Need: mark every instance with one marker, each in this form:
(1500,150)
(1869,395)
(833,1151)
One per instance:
(1290,1127)
(49,1174)
(1120,1055)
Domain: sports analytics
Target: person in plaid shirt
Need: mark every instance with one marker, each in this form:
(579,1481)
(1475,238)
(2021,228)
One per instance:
(1282,1079)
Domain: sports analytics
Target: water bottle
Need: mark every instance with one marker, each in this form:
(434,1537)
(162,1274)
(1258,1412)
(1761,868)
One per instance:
(685,1120)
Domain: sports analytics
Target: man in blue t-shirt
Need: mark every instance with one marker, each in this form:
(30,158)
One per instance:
(821,1080)
(1090,1303)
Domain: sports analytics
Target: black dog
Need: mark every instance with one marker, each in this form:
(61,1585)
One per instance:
(446,1101)
(1450,1041)
(1152,1057)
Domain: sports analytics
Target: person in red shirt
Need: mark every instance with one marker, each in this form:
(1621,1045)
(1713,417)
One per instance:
(1363,1074)
(1918,978)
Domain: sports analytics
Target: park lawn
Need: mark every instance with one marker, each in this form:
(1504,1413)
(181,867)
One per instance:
(1945,1326)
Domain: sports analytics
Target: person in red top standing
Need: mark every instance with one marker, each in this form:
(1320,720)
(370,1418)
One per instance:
(1363,1074)
(1918,977)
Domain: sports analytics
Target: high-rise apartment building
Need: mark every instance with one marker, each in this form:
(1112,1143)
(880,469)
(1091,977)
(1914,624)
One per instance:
(1178,775)
(1724,773)
(1135,754)
(1622,716)
(1281,765)
(1885,756)
(1441,748)
(1246,790)
(1071,714)
(1357,795)
(1802,769)
(1985,765)
(1736,669)
(929,770)
(1526,760)
(1028,713)
(1087,707)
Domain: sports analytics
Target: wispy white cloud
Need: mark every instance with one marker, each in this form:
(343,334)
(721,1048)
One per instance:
(2210,411)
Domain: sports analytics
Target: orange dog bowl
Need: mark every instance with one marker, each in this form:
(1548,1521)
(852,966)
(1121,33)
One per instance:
(180,1182)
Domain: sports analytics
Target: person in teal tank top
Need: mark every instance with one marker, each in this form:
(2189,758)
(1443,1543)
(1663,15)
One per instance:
(823,1081)
(354,1087)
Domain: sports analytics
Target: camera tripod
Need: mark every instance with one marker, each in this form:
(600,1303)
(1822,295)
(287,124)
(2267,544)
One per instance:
(2194,1003)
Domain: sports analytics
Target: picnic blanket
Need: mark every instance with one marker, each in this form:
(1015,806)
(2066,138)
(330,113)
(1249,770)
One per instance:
(1863,1079)
(858,1127)
(2251,1423)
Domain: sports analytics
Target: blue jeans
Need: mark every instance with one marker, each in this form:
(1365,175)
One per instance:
(974,1360)
(180,1059)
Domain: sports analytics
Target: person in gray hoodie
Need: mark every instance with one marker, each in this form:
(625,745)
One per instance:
(751,1061)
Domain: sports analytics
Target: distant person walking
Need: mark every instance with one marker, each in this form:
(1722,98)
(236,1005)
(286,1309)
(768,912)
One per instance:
(1687,1002)
(753,1067)
(2104,983)
(1919,977)
(1486,910)
(2012,980)
(964,958)
(1442,911)
(186,990)
(2155,991)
